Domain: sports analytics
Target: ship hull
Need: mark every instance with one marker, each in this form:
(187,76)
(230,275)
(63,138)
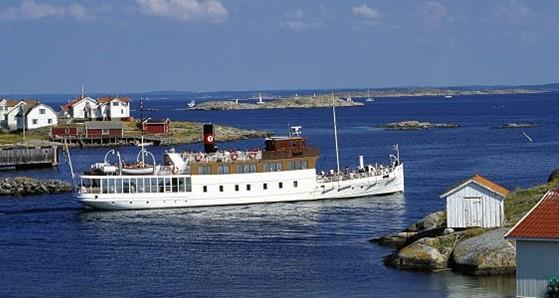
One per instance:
(221,190)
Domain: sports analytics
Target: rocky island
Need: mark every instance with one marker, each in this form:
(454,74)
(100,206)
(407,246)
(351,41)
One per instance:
(416,125)
(517,125)
(22,186)
(429,245)
(319,101)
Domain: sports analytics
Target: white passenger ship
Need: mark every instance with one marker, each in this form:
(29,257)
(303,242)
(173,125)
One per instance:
(283,171)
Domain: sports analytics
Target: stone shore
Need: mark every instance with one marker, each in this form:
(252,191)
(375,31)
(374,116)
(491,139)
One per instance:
(22,186)
(429,246)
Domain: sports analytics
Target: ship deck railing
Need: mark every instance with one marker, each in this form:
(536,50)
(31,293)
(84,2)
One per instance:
(352,175)
(221,156)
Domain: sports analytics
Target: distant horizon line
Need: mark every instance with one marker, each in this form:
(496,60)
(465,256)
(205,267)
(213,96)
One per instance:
(541,85)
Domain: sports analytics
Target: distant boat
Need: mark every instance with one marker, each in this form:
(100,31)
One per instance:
(260,101)
(191,104)
(369,99)
(348,99)
(448,96)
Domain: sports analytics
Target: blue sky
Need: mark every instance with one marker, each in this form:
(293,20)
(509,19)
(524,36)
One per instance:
(49,46)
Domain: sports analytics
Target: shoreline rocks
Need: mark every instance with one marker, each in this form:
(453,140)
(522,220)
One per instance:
(488,253)
(417,125)
(428,245)
(22,186)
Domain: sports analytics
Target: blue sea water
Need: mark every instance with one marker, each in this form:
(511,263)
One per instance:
(51,246)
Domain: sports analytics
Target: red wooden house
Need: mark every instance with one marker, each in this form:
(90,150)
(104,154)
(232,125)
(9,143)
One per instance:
(103,129)
(156,126)
(64,132)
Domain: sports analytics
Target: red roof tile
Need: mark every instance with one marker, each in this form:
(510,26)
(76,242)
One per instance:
(482,181)
(542,222)
(71,103)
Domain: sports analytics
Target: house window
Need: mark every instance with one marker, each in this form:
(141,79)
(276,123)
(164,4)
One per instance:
(1,108)
(122,111)
(280,185)
(115,104)
(34,121)
(265,186)
(49,121)
(295,184)
(105,131)
(204,170)
(223,169)
(205,188)
(42,111)
(236,187)
(221,188)
(248,187)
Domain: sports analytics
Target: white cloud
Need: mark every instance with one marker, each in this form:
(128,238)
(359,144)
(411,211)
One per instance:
(513,12)
(185,10)
(369,15)
(79,12)
(34,10)
(435,15)
(298,21)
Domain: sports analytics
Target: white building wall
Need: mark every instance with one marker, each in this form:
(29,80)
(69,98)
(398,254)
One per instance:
(42,120)
(78,109)
(11,120)
(120,110)
(463,213)
(536,263)
(3,110)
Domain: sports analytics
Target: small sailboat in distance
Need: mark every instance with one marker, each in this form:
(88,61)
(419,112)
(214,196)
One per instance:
(191,104)
(369,99)
(260,101)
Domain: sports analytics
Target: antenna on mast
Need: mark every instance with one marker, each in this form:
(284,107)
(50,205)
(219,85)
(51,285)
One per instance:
(335,134)
(83,90)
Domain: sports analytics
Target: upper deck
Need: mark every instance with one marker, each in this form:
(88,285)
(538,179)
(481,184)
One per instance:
(279,154)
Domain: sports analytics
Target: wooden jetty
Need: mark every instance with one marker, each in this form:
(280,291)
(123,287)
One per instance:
(21,157)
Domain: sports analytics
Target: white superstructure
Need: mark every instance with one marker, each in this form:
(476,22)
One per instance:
(281,172)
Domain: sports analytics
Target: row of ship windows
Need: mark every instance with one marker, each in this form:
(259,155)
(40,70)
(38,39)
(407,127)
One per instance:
(251,167)
(248,187)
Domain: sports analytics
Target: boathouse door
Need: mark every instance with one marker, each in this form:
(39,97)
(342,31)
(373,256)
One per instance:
(473,212)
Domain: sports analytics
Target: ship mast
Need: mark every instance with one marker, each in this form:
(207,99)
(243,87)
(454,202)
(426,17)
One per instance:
(335,134)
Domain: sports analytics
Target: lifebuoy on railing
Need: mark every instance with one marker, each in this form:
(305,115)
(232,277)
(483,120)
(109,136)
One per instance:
(252,155)
(175,170)
(198,157)
(234,156)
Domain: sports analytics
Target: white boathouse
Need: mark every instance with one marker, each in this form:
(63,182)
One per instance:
(537,247)
(475,202)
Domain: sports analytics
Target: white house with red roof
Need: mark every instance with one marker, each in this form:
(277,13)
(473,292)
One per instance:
(475,202)
(37,116)
(25,114)
(104,108)
(537,247)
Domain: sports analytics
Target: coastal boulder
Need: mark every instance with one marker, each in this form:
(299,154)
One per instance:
(424,254)
(396,240)
(431,221)
(488,253)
